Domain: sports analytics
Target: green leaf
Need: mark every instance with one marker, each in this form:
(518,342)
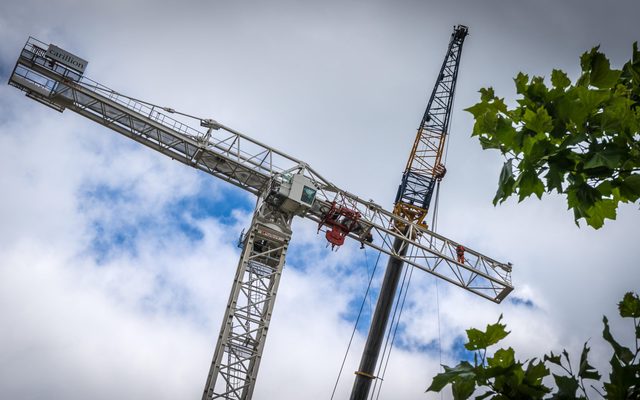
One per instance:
(566,356)
(621,352)
(567,387)
(630,187)
(536,372)
(602,76)
(559,79)
(503,358)
(580,199)
(505,182)
(505,132)
(463,388)
(587,195)
(623,381)
(605,188)
(464,370)
(585,59)
(487,143)
(552,358)
(478,109)
(539,152)
(485,124)
(629,307)
(537,91)
(521,81)
(478,339)
(538,121)
(439,382)
(592,99)
(528,184)
(573,136)
(586,370)
(618,115)
(603,159)
(487,94)
(601,210)
(582,102)
(554,178)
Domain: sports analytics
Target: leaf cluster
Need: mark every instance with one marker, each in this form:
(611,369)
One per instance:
(501,376)
(580,139)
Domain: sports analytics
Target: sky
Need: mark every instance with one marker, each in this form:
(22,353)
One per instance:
(116,262)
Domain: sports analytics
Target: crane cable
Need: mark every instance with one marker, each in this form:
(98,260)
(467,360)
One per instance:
(434,223)
(205,122)
(405,288)
(355,325)
(395,323)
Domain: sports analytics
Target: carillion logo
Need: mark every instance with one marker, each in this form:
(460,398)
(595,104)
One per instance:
(66,58)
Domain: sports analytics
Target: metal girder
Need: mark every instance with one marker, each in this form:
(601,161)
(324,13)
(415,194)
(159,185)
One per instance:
(238,352)
(423,166)
(249,164)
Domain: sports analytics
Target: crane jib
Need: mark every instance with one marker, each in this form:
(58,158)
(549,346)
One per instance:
(248,164)
(425,165)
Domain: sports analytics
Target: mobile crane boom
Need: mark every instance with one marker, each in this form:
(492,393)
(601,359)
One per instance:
(285,187)
(424,168)
(425,165)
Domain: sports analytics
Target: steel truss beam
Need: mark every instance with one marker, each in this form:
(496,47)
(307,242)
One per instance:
(250,165)
(420,175)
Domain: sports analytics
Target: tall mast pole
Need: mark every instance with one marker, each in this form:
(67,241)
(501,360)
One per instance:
(424,168)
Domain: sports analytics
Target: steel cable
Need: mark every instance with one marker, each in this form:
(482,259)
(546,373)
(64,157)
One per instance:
(355,325)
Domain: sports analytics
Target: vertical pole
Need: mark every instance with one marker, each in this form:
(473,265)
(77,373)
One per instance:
(412,200)
(365,373)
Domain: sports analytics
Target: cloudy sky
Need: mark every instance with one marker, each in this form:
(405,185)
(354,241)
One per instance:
(116,263)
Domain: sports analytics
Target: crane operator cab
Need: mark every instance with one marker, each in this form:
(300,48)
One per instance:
(294,194)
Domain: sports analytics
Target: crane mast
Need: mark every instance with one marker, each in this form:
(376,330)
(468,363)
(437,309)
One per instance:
(285,188)
(237,356)
(424,168)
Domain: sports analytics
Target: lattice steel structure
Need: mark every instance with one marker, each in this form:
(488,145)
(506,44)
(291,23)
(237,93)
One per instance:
(253,166)
(244,329)
(424,166)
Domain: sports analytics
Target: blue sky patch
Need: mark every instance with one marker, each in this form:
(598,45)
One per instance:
(518,301)
(5,70)
(115,228)
(459,352)
(202,205)
(107,242)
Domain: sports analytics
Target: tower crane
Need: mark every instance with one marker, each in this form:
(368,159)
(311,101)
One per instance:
(424,168)
(285,188)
